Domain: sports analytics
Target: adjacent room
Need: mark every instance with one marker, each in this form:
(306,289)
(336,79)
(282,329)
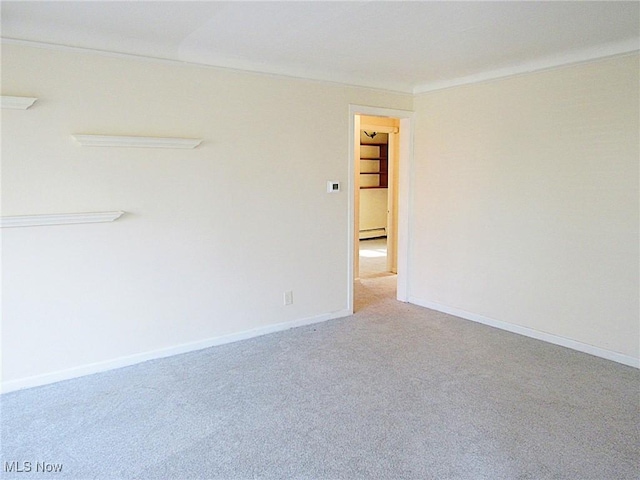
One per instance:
(320,240)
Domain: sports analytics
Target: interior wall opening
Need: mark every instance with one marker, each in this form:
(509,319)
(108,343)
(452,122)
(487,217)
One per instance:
(376,182)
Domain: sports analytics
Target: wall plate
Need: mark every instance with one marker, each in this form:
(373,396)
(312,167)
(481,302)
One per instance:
(333,186)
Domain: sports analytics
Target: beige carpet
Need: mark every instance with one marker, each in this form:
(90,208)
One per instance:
(376,285)
(393,392)
(373,258)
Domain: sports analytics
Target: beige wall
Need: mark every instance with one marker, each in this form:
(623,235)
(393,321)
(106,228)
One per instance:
(526,202)
(212,236)
(525,206)
(373,211)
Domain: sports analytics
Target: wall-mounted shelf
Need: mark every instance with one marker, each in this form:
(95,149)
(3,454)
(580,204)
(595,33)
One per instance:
(137,142)
(378,164)
(16,103)
(58,219)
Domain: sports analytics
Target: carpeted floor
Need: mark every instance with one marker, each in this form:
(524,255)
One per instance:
(394,392)
(373,258)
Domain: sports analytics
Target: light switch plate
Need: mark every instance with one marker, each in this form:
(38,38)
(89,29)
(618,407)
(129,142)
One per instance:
(333,186)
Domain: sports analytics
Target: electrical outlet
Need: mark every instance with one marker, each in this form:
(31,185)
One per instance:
(288,297)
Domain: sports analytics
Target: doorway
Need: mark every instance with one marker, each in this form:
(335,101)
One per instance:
(378,188)
(375,169)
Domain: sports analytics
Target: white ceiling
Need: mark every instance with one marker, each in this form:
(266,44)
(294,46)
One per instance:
(398,45)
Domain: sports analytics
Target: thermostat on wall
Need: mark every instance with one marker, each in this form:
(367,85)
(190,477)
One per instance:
(333,186)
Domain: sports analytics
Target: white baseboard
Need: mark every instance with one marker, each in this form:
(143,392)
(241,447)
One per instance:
(530,332)
(81,371)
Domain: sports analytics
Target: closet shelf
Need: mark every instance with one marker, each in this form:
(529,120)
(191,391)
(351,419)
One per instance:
(381,158)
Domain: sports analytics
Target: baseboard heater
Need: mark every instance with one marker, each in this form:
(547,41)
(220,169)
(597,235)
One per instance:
(373,233)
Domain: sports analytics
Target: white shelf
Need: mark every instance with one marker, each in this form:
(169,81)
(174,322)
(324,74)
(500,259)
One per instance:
(16,103)
(58,219)
(137,142)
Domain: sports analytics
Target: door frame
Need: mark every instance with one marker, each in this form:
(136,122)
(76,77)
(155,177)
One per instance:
(404,166)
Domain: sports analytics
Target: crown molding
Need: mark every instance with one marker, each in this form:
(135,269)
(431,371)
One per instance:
(16,103)
(627,47)
(58,219)
(137,142)
(235,66)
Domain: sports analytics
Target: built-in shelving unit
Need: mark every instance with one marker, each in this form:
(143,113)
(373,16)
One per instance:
(374,165)
(58,219)
(137,142)
(16,103)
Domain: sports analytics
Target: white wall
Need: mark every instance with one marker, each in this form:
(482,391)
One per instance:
(212,236)
(526,203)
